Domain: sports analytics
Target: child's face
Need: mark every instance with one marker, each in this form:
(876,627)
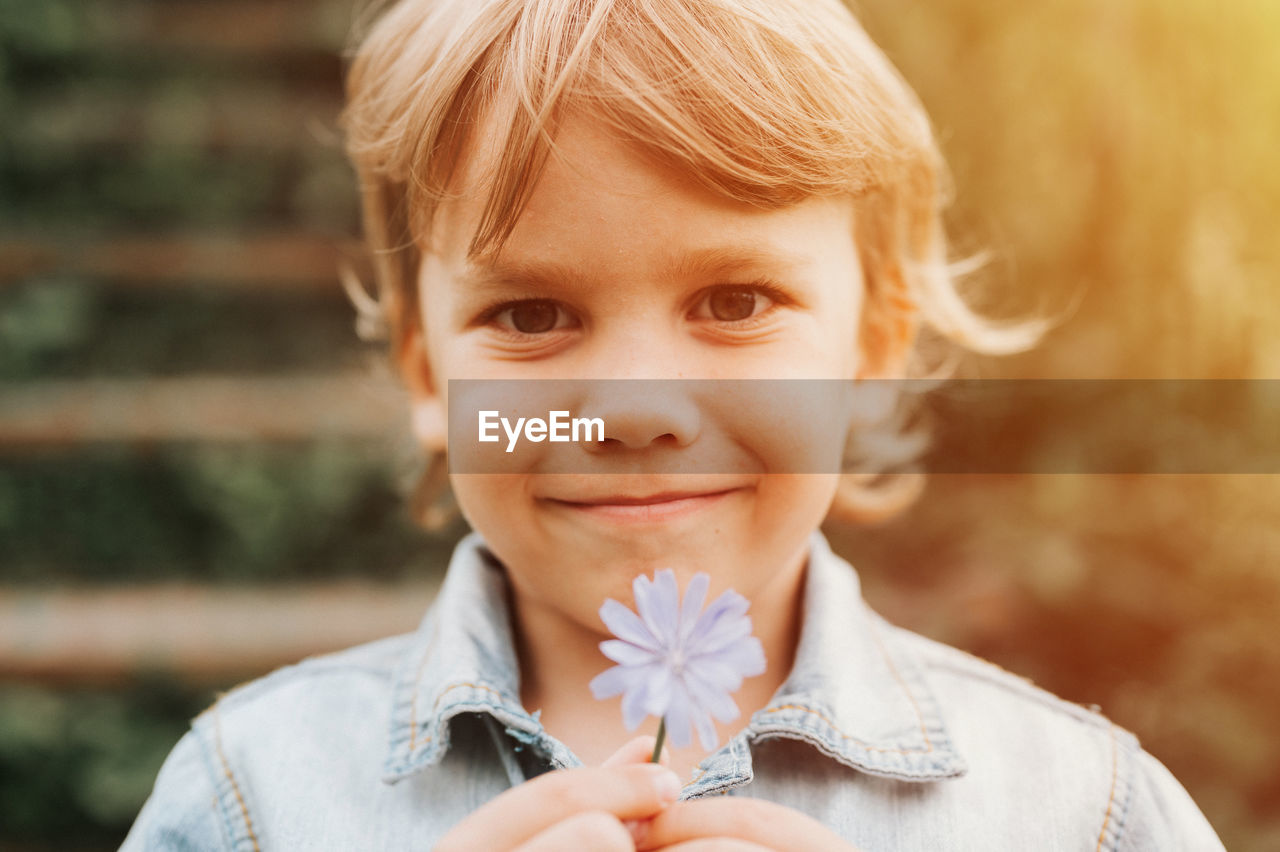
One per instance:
(601,279)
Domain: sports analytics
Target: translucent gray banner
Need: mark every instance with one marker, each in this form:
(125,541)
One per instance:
(828,426)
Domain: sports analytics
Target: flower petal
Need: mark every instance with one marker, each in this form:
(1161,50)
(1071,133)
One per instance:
(633,708)
(610,682)
(694,597)
(678,661)
(745,658)
(658,603)
(711,698)
(679,717)
(726,634)
(645,685)
(714,672)
(725,612)
(627,654)
(728,604)
(706,730)
(658,686)
(725,630)
(626,625)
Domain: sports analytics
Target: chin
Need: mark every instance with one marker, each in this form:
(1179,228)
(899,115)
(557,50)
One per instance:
(645,551)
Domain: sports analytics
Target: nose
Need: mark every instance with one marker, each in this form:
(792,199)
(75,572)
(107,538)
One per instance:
(643,413)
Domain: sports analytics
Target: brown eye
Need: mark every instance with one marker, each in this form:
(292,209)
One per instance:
(731,305)
(534,317)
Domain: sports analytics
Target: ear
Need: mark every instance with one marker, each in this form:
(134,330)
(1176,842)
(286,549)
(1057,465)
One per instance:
(427,405)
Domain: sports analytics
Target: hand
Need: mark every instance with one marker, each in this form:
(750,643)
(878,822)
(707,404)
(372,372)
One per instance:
(582,808)
(735,824)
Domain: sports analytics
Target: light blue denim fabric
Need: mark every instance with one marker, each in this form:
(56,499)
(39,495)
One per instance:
(894,741)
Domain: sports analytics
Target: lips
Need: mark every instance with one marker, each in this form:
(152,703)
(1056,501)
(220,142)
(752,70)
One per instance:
(650,500)
(664,505)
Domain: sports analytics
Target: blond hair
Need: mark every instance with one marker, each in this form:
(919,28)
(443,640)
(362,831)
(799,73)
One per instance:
(765,102)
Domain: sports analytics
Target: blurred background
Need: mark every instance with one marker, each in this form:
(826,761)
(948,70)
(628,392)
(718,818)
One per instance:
(201,467)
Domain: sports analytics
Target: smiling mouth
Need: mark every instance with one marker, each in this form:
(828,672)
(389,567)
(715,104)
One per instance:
(662,506)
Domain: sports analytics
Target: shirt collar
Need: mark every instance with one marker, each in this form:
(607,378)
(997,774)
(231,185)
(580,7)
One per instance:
(855,693)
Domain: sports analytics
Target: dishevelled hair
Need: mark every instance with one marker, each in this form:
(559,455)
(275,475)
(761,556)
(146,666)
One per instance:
(764,102)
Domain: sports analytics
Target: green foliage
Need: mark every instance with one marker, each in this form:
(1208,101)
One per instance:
(66,327)
(41,320)
(76,765)
(226,513)
(46,28)
(107,126)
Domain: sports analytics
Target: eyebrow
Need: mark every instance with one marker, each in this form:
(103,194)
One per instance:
(722,260)
(507,274)
(699,263)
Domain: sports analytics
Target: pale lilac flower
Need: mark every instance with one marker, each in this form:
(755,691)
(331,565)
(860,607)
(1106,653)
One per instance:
(676,661)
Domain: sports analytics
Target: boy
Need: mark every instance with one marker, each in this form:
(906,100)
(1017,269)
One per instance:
(651,189)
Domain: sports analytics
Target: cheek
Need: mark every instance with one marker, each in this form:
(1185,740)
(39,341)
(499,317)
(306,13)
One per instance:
(491,504)
(789,508)
(797,501)
(789,426)
(544,567)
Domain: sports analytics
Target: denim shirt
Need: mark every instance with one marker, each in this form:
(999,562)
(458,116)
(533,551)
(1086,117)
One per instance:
(892,740)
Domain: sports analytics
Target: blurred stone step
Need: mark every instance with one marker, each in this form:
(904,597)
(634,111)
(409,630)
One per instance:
(189,29)
(200,634)
(215,115)
(281,259)
(232,26)
(65,414)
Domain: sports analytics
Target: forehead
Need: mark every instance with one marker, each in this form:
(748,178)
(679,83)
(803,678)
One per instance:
(609,200)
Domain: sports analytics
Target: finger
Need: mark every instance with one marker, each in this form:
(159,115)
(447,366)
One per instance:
(717,844)
(594,830)
(627,792)
(638,750)
(757,821)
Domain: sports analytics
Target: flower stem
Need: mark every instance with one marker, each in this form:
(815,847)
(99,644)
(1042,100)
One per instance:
(662,738)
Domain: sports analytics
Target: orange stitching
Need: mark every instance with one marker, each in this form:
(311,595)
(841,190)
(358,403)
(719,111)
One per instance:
(863,743)
(1111,798)
(235,788)
(894,669)
(445,691)
(413,720)
(417,680)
